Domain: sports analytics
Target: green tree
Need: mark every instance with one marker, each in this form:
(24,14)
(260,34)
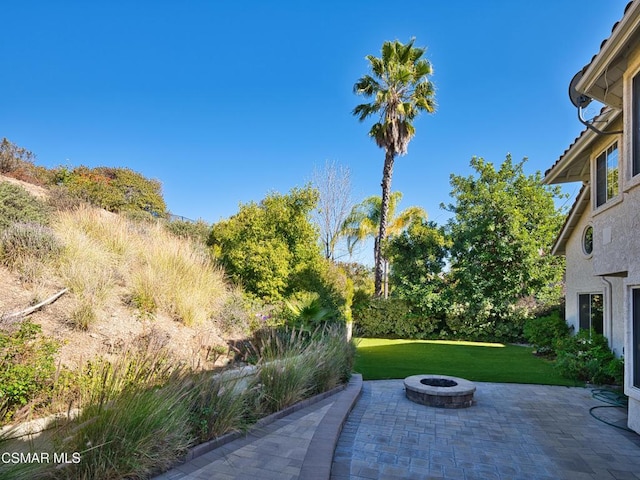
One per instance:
(364,220)
(504,226)
(265,244)
(272,249)
(417,257)
(400,89)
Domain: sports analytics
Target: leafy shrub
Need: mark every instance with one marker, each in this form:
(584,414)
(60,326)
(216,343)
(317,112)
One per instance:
(586,356)
(114,189)
(483,321)
(305,310)
(198,231)
(545,332)
(18,205)
(27,361)
(60,199)
(391,317)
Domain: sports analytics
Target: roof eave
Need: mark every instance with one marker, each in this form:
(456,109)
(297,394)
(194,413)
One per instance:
(611,51)
(578,151)
(570,223)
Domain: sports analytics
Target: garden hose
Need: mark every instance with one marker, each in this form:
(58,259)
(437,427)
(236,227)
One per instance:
(614,399)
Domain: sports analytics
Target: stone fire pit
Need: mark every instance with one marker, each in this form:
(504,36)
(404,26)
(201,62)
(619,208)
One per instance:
(439,391)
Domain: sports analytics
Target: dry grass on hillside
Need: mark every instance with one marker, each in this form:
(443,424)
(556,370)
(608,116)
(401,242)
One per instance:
(127,281)
(159,272)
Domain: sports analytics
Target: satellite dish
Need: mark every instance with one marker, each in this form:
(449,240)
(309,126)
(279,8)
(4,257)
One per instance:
(578,99)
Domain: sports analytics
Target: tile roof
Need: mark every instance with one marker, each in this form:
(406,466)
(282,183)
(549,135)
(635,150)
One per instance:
(604,42)
(604,110)
(584,69)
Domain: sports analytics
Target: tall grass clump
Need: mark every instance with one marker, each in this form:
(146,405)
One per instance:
(334,358)
(161,272)
(135,418)
(296,363)
(86,269)
(178,278)
(218,405)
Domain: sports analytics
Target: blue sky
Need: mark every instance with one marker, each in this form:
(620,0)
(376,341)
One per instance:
(226,101)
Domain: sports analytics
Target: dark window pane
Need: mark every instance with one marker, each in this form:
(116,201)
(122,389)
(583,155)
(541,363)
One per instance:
(587,241)
(597,313)
(584,308)
(601,180)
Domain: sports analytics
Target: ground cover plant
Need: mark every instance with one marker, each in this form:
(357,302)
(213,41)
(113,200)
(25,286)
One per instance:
(482,362)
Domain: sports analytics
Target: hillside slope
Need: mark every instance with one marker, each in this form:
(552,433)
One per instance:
(118,322)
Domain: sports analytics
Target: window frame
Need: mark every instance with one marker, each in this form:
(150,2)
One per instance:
(582,324)
(605,190)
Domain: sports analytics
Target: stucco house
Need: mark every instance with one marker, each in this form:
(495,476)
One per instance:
(601,235)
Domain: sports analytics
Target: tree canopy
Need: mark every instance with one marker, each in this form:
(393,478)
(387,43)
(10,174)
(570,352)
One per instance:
(503,228)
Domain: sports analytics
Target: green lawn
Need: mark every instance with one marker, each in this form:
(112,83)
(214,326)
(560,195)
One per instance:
(378,359)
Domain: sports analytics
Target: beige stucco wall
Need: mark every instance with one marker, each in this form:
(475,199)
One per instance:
(580,278)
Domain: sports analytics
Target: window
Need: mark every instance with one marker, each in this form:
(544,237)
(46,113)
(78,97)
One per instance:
(587,240)
(635,167)
(607,175)
(591,312)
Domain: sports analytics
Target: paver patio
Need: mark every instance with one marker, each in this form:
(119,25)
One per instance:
(511,432)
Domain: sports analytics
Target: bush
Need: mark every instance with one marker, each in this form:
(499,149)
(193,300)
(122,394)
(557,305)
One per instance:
(545,332)
(18,205)
(27,240)
(392,317)
(13,157)
(198,231)
(114,189)
(27,361)
(137,433)
(483,321)
(586,356)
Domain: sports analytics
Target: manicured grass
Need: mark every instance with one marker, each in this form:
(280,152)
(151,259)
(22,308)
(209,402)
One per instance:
(378,359)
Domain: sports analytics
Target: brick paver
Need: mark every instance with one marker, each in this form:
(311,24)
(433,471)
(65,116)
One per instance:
(275,452)
(511,432)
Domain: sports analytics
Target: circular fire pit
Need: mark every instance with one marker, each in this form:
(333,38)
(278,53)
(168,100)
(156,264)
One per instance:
(439,391)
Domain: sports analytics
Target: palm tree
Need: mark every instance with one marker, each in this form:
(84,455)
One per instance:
(364,220)
(400,89)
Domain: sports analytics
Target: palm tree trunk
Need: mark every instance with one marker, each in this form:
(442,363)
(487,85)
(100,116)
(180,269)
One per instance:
(387,172)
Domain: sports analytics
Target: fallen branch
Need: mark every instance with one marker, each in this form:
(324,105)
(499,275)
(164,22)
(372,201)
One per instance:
(30,310)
